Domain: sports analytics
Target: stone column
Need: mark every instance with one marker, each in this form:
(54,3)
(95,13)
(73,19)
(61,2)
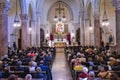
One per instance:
(82,29)
(118,30)
(116,3)
(4,7)
(38,29)
(38,34)
(97,30)
(33,25)
(86,29)
(25,39)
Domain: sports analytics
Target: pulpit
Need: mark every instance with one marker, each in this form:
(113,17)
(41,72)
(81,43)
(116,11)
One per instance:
(60,44)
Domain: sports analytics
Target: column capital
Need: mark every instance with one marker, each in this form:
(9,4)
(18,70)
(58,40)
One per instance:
(24,17)
(76,24)
(33,21)
(96,16)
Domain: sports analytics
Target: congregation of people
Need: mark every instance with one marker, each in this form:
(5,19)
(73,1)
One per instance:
(35,62)
(91,63)
(85,62)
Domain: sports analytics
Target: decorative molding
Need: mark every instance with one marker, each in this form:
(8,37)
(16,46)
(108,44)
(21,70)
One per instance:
(96,16)
(76,24)
(44,25)
(24,17)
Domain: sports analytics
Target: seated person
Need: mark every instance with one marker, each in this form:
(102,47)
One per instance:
(1,65)
(91,76)
(38,74)
(78,67)
(76,62)
(47,69)
(6,72)
(1,74)
(28,77)
(27,59)
(43,67)
(48,57)
(32,66)
(5,58)
(84,75)
(82,58)
(113,61)
(12,77)
(114,76)
(104,73)
(90,61)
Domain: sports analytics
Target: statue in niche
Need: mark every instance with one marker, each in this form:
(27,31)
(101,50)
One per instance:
(14,46)
(110,38)
(73,40)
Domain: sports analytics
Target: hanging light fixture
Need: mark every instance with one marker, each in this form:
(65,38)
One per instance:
(60,12)
(17,22)
(90,24)
(90,27)
(105,21)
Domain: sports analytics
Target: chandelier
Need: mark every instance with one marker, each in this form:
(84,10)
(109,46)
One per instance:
(16,19)
(59,12)
(105,21)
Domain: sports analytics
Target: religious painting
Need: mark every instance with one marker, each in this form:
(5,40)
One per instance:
(59,27)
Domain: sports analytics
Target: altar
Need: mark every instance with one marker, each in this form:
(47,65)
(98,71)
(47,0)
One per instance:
(59,35)
(60,44)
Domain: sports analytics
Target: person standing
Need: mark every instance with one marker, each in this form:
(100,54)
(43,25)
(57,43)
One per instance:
(14,46)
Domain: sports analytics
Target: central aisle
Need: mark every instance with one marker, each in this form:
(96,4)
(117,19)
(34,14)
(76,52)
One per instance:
(60,69)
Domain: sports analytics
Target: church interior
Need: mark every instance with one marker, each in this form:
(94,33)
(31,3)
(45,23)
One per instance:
(59,39)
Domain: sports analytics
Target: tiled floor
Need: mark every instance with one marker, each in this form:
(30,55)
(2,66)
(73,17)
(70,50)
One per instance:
(60,69)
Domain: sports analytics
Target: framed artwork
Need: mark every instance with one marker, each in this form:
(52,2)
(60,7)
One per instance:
(59,27)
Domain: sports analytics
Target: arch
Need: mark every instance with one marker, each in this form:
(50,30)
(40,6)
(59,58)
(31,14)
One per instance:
(89,10)
(39,4)
(31,8)
(111,29)
(80,4)
(78,35)
(90,5)
(23,6)
(30,12)
(12,10)
(66,6)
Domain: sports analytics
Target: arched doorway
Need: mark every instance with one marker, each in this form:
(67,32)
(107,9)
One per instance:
(19,39)
(78,36)
(41,37)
